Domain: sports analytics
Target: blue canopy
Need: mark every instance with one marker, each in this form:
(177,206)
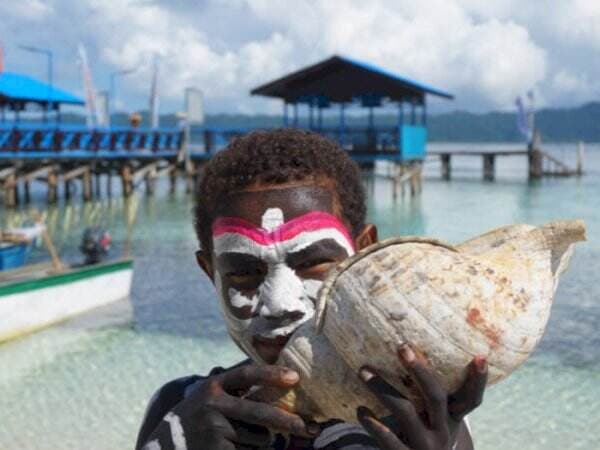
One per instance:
(339,79)
(21,88)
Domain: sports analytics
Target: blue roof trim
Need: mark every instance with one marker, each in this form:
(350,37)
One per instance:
(420,86)
(23,88)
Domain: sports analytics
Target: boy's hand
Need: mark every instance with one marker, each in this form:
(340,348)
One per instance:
(211,416)
(437,427)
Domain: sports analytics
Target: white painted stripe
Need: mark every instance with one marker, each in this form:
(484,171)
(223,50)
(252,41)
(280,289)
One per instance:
(177,433)
(335,432)
(152,445)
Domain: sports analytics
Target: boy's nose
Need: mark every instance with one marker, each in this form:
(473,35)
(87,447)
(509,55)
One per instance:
(286,317)
(281,296)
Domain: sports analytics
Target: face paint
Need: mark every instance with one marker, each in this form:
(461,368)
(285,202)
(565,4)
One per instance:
(283,301)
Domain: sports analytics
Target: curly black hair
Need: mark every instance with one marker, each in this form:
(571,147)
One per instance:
(275,157)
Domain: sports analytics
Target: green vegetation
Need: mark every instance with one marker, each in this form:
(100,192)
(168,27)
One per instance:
(556,125)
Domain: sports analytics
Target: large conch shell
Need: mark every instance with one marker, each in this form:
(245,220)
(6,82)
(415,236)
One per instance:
(489,296)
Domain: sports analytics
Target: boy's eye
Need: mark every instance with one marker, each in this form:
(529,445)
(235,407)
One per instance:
(314,263)
(245,277)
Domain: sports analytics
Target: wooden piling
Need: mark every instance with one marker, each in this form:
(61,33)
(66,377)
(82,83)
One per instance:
(10,190)
(87,185)
(26,191)
(109,183)
(52,186)
(173,180)
(535,159)
(489,166)
(446,166)
(127,180)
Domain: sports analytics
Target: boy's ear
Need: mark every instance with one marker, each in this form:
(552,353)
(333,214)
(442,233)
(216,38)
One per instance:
(368,236)
(205,263)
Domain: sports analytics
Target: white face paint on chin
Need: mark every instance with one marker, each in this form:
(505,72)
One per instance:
(283,301)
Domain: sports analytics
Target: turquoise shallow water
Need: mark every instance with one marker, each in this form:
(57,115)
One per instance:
(79,386)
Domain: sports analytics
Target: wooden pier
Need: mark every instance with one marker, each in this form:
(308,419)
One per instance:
(540,163)
(70,155)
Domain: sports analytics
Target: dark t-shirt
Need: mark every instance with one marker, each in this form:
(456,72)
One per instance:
(335,434)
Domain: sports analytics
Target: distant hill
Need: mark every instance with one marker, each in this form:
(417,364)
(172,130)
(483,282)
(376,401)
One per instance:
(556,125)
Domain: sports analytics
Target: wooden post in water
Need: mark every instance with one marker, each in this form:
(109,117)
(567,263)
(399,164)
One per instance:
(26,192)
(52,186)
(535,157)
(87,185)
(446,166)
(126,180)
(67,189)
(173,177)
(109,183)
(580,157)
(97,182)
(10,191)
(489,166)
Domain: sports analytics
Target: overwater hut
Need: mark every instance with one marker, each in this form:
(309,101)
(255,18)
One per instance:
(343,82)
(17,91)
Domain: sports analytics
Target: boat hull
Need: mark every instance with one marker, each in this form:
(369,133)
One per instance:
(29,305)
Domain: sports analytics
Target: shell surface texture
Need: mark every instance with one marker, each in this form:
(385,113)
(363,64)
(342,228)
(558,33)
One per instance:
(490,296)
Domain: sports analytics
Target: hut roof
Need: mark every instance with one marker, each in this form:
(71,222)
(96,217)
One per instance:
(341,79)
(21,88)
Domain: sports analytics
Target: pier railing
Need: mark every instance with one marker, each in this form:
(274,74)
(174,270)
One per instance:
(32,139)
(404,143)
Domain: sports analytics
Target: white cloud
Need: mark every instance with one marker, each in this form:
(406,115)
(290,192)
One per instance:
(484,52)
(28,10)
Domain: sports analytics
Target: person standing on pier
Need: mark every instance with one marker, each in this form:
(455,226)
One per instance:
(276,211)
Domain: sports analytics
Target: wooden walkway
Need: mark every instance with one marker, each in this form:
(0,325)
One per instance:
(541,164)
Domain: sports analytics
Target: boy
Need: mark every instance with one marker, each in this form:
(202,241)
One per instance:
(276,211)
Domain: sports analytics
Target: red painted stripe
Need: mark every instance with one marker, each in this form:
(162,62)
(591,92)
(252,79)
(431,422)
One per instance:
(312,221)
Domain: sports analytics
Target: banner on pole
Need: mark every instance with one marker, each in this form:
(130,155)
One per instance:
(154,101)
(193,106)
(88,87)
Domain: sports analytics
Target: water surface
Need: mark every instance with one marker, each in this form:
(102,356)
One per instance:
(79,386)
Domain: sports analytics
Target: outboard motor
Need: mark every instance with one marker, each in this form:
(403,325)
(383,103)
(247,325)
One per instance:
(95,244)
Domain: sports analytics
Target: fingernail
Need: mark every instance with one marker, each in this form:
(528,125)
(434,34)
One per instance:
(406,353)
(313,428)
(365,374)
(480,363)
(290,376)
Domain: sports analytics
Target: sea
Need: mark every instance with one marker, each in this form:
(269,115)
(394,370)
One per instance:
(85,384)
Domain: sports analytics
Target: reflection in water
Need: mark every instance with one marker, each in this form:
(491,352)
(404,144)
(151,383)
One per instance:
(100,378)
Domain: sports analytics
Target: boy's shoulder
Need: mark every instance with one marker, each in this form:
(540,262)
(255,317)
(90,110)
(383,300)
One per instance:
(169,395)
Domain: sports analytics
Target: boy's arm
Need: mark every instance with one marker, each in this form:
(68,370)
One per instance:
(208,417)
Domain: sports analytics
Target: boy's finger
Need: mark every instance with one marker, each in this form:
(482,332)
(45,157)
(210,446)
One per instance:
(434,395)
(213,422)
(470,395)
(401,408)
(261,414)
(386,439)
(252,375)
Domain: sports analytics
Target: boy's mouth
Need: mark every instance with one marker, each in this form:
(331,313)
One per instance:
(269,348)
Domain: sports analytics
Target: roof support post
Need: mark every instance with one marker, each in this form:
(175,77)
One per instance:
(371,121)
(341,129)
(319,117)
(285,114)
(296,115)
(413,112)
(424,112)
(400,113)
(310,114)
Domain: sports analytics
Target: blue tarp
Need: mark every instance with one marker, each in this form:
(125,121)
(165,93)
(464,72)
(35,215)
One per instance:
(22,88)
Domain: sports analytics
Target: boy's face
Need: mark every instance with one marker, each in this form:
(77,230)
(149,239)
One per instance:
(272,248)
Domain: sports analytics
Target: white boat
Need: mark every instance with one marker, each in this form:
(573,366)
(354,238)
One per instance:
(36,299)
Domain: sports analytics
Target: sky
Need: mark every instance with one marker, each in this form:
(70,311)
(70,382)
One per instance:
(486,52)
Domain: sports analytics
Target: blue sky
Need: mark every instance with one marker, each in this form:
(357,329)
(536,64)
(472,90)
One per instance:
(485,52)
